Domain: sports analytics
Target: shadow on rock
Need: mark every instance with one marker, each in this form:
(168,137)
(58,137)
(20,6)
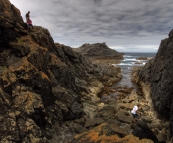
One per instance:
(142,131)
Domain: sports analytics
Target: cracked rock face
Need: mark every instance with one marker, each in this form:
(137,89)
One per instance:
(42,84)
(158,73)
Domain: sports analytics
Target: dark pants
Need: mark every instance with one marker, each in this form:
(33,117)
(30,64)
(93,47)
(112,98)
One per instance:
(30,25)
(135,116)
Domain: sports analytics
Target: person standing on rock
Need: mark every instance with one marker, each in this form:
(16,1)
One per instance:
(28,21)
(134,113)
(27,16)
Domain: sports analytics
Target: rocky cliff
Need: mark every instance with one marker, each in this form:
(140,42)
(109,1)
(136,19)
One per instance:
(156,79)
(11,24)
(43,85)
(99,52)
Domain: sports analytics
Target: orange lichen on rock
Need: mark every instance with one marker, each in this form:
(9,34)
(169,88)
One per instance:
(126,139)
(27,100)
(57,61)
(44,76)
(8,78)
(23,65)
(54,58)
(103,134)
(32,44)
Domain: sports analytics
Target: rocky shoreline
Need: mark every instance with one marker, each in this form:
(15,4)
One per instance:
(49,93)
(115,117)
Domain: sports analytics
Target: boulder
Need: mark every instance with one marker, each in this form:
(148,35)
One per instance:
(93,122)
(121,131)
(80,121)
(122,116)
(106,111)
(147,119)
(79,128)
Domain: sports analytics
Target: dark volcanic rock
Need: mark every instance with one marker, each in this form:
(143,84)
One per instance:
(158,72)
(42,84)
(11,24)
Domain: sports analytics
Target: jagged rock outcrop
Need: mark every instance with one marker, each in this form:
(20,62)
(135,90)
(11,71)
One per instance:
(99,52)
(157,77)
(11,24)
(43,85)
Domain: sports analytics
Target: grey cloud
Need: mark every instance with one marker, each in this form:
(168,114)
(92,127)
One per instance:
(120,24)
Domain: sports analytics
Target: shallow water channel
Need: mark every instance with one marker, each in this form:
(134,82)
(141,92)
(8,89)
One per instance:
(130,60)
(126,79)
(123,86)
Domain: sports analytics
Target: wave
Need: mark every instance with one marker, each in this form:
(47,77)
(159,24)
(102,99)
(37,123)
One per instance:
(130,64)
(125,64)
(129,60)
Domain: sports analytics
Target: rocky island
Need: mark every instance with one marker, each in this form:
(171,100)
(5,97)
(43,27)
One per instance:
(100,52)
(49,92)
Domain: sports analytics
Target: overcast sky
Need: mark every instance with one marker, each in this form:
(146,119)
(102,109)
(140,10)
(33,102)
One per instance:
(125,25)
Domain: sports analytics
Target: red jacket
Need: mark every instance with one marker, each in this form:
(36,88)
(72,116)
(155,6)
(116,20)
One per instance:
(29,21)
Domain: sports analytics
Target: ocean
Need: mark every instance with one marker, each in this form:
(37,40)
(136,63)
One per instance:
(130,60)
